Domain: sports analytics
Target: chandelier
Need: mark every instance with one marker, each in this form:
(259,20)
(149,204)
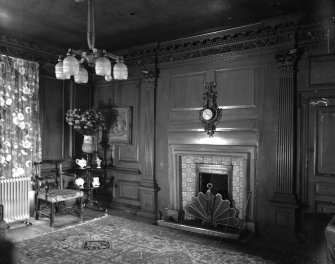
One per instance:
(99,59)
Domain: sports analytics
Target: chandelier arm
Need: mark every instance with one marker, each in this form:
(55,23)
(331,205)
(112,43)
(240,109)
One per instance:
(83,59)
(90,25)
(112,56)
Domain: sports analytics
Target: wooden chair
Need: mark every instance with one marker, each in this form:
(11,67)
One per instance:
(49,189)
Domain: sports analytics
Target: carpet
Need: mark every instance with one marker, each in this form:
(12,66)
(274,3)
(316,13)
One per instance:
(114,239)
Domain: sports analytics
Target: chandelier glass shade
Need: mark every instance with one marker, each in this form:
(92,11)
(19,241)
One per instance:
(75,60)
(60,73)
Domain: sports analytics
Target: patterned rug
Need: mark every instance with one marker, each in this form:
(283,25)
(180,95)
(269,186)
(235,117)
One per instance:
(115,239)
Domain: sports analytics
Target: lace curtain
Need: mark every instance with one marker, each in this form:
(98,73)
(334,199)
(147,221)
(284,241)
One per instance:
(20,138)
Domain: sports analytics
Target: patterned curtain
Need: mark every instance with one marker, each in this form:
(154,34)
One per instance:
(20,138)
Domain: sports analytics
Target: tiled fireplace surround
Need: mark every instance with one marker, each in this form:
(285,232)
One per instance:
(187,161)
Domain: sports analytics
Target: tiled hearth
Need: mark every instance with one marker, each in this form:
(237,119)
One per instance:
(187,161)
(234,167)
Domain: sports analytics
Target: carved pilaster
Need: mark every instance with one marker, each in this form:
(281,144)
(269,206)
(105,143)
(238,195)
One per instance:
(284,201)
(286,122)
(148,186)
(148,87)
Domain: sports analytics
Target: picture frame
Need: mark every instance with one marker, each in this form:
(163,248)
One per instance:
(121,133)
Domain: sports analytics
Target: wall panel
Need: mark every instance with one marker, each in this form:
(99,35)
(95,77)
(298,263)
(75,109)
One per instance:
(187,90)
(52,116)
(128,95)
(236,86)
(319,70)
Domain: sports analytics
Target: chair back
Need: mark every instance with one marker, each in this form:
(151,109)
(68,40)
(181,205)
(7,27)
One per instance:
(48,174)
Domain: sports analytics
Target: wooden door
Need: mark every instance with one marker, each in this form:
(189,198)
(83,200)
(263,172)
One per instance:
(321,155)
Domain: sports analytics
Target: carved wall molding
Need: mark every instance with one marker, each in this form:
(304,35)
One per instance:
(27,50)
(251,39)
(227,42)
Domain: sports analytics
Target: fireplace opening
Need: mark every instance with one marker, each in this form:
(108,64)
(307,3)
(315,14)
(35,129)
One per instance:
(220,184)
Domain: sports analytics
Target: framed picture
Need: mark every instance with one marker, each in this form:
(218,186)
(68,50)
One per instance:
(121,132)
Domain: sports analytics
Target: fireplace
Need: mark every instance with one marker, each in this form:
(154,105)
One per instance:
(221,181)
(231,167)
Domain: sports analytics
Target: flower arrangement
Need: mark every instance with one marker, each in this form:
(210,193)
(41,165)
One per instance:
(86,122)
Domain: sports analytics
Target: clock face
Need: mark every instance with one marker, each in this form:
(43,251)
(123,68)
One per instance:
(207,114)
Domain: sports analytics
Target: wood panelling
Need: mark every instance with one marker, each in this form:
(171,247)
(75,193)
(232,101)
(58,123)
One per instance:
(239,119)
(147,199)
(241,83)
(317,150)
(319,70)
(325,188)
(224,125)
(127,94)
(105,92)
(128,153)
(52,116)
(125,172)
(82,96)
(326,141)
(236,86)
(187,90)
(81,99)
(128,190)
(220,138)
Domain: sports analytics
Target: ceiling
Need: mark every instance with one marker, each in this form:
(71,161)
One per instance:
(125,23)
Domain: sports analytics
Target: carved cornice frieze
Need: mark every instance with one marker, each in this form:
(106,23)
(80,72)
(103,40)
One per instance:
(221,43)
(239,41)
(27,50)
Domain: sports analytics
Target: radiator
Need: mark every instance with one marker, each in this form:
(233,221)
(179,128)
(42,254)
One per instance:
(14,197)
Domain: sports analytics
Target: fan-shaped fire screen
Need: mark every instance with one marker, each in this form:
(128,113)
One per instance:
(211,209)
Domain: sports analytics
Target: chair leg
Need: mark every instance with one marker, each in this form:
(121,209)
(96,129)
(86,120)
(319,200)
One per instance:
(37,209)
(81,208)
(52,214)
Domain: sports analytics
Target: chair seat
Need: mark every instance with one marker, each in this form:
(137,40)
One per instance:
(59,195)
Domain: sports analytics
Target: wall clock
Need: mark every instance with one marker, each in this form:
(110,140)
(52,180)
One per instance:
(210,114)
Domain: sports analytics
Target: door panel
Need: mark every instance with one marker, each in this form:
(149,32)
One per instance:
(321,166)
(326,140)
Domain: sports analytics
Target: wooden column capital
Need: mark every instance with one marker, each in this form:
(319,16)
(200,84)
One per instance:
(287,61)
(149,79)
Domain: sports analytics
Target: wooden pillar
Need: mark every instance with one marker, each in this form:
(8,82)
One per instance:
(148,187)
(284,200)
